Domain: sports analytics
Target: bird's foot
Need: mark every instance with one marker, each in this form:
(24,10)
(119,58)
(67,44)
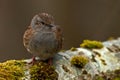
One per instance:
(32,61)
(50,61)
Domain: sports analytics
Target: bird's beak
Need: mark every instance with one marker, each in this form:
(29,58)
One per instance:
(51,25)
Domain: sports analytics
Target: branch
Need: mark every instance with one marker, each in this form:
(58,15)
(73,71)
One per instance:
(92,61)
(100,61)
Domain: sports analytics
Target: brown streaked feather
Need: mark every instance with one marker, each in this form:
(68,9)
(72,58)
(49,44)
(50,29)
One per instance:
(27,36)
(46,17)
(59,37)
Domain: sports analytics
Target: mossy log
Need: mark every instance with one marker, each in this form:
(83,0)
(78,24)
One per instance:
(93,60)
(100,61)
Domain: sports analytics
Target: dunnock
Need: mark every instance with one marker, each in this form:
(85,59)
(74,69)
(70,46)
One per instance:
(43,38)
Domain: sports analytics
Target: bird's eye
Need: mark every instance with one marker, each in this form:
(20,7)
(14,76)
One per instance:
(42,22)
(50,26)
(37,22)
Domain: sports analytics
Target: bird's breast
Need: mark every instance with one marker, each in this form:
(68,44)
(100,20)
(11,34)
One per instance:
(43,42)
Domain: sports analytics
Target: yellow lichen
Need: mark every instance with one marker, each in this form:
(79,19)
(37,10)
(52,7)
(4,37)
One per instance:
(79,61)
(91,44)
(43,71)
(73,49)
(117,78)
(62,50)
(111,38)
(99,78)
(12,70)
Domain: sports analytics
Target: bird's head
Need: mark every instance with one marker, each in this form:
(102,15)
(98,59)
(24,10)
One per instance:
(42,19)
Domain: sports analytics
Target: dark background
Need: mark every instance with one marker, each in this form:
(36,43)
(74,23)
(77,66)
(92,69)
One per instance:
(80,19)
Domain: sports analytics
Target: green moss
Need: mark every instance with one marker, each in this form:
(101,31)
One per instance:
(99,78)
(91,44)
(109,75)
(12,70)
(43,71)
(111,38)
(73,49)
(117,78)
(62,50)
(79,61)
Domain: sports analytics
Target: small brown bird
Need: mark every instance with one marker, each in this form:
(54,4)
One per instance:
(43,38)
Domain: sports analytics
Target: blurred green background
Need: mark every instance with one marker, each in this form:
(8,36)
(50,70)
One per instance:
(79,19)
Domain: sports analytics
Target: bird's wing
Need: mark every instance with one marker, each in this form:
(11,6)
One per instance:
(59,37)
(27,36)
